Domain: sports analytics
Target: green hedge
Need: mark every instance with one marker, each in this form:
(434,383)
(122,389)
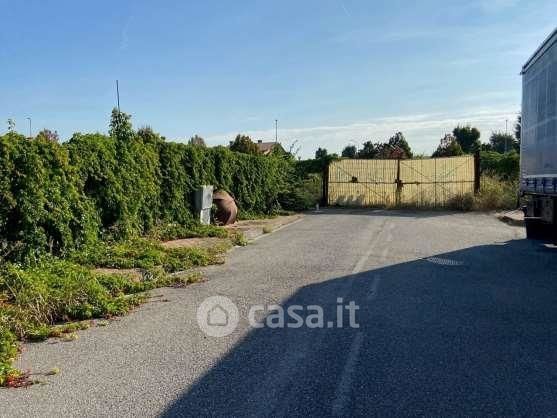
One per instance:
(57,197)
(42,207)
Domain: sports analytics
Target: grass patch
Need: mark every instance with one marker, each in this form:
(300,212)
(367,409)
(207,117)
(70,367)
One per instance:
(35,300)
(238,238)
(244,215)
(169,232)
(148,254)
(55,298)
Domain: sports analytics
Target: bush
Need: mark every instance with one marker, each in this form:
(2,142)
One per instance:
(303,193)
(494,194)
(464,202)
(505,166)
(42,208)
(56,198)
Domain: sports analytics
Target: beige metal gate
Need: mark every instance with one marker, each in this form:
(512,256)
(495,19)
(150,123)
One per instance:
(429,182)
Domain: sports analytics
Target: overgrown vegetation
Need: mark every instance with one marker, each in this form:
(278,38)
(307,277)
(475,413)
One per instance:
(56,198)
(305,192)
(147,254)
(170,231)
(495,194)
(503,166)
(34,299)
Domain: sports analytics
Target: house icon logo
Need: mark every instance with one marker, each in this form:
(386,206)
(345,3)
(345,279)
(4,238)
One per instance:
(217,316)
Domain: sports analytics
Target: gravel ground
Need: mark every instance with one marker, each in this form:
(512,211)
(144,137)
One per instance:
(457,316)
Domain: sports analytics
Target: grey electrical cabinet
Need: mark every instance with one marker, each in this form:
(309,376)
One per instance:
(203,204)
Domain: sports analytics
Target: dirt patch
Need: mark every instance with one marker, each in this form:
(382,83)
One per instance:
(254,228)
(250,228)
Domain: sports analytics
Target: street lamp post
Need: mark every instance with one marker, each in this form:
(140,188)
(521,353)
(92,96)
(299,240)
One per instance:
(30,131)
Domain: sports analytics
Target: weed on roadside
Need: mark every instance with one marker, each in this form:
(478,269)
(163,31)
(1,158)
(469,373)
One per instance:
(494,194)
(171,231)
(239,239)
(147,254)
(34,300)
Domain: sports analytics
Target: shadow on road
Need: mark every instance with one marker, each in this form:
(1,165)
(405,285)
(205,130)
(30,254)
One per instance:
(471,332)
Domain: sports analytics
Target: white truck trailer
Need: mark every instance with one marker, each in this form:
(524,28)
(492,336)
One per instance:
(538,148)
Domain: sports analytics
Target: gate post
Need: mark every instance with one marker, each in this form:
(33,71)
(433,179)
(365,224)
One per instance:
(398,195)
(476,171)
(325,185)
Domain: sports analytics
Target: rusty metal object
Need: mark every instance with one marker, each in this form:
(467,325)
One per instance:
(226,207)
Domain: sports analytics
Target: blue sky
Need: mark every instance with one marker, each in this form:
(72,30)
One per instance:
(330,71)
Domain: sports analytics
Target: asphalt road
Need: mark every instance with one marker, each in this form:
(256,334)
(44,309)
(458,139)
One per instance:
(457,317)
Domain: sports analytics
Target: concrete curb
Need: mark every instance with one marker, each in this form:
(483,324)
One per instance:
(510,220)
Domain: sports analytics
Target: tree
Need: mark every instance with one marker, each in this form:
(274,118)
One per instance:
(197,140)
(244,144)
(294,149)
(502,142)
(321,153)
(149,136)
(448,147)
(349,151)
(518,128)
(397,147)
(369,150)
(120,125)
(506,166)
(468,138)
(486,147)
(48,135)
(385,151)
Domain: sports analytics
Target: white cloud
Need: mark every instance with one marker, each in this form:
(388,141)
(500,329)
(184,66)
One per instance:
(423,131)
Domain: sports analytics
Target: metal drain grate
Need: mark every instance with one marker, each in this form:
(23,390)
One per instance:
(444,261)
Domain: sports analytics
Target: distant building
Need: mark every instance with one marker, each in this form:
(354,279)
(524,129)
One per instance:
(267,148)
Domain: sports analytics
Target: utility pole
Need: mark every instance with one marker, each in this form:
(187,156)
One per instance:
(276,131)
(118,96)
(30,131)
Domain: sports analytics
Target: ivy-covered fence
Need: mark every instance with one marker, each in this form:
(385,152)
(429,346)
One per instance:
(57,197)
